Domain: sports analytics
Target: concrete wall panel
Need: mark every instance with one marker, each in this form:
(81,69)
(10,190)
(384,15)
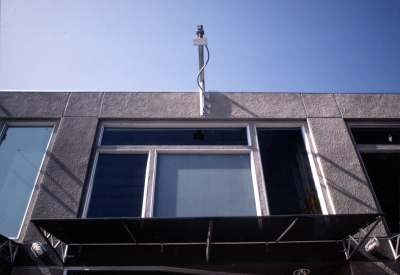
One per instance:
(150,105)
(83,104)
(255,105)
(66,170)
(369,105)
(320,105)
(341,168)
(32,104)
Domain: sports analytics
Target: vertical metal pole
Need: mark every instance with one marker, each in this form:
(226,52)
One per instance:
(200,33)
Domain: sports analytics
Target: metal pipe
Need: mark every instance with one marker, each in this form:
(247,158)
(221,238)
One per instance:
(200,33)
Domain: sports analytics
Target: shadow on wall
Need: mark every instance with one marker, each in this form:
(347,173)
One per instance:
(52,186)
(220,105)
(5,111)
(340,187)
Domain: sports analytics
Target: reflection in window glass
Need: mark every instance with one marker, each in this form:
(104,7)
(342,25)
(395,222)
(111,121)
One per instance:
(287,173)
(118,186)
(384,173)
(174,136)
(21,153)
(204,185)
(376,135)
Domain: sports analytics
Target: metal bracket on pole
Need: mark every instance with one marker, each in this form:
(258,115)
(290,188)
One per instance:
(347,241)
(11,249)
(395,239)
(53,242)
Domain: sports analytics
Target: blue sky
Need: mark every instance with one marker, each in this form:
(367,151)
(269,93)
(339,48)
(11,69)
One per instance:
(263,46)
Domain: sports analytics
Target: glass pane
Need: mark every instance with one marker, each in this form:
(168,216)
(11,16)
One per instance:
(118,186)
(384,172)
(287,172)
(204,185)
(376,135)
(21,153)
(174,137)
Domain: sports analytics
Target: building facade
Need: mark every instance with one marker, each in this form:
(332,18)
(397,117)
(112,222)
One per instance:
(141,183)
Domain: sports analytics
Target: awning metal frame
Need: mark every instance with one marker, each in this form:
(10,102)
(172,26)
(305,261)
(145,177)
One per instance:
(11,248)
(281,237)
(347,241)
(396,249)
(53,243)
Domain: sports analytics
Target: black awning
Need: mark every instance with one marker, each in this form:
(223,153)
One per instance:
(195,230)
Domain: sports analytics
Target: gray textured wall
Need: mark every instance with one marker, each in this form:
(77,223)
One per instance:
(65,173)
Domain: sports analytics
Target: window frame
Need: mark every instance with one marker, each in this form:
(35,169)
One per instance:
(259,189)
(374,148)
(4,125)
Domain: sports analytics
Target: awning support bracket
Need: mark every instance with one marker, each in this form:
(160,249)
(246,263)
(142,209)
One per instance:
(209,236)
(287,230)
(347,241)
(49,238)
(396,249)
(130,233)
(11,248)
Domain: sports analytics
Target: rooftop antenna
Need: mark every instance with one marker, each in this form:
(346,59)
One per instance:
(201,42)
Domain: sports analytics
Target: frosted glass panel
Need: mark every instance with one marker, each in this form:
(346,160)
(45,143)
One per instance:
(21,153)
(204,185)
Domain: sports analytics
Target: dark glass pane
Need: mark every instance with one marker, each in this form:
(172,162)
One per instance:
(376,135)
(118,186)
(287,172)
(174,137)
(384,172)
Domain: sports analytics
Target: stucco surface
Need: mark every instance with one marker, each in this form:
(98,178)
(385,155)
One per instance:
(83,104)
(255,105)
(32,104)
(60,191)
(320,105)
(150,105)
(341,168)
(369,105)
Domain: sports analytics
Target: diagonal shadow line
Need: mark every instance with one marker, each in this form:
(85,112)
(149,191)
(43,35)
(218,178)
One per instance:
(243,108)
(63,169)
(340,189)
(5,111)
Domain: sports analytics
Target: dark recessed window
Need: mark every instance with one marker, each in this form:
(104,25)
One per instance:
(376,135)
(195,136)
(118,186)
(384,173)
(287,172)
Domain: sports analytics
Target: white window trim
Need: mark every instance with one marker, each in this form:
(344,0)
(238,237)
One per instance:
(153,150)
